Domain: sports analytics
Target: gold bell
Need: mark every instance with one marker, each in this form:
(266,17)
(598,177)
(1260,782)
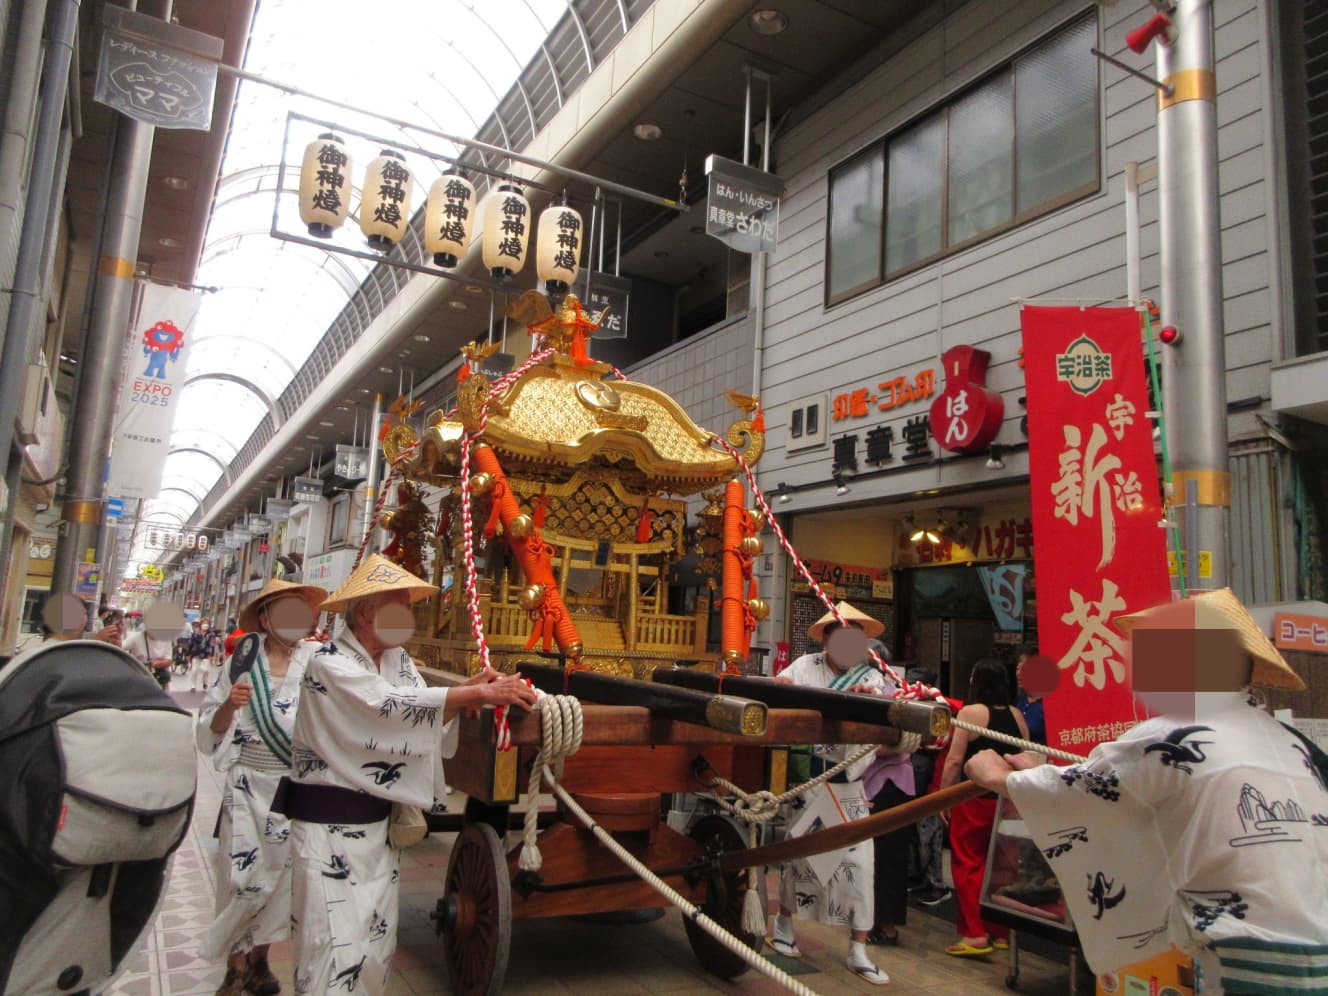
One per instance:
(574,652)
(481,483)
(732,658)
(520,526)
(758,607)
(757,518)
(751,545)
(531,597)
(386,519)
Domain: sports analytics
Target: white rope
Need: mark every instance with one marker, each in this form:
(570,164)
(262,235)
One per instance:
(715,930)
(560,736)
(1028,745)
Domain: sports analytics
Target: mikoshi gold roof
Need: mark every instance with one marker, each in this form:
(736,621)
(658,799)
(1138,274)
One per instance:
(563,413)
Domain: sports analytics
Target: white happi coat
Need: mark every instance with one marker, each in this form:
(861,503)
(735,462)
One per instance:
(1208,833)
(253,861)
(847,895)
(372,729)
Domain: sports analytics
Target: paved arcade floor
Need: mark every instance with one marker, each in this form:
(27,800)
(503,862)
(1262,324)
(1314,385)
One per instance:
(556,956)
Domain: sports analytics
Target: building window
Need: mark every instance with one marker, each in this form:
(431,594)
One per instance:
(1021,142)
(338,521)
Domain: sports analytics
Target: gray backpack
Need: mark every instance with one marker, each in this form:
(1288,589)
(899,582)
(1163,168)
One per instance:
(97,775)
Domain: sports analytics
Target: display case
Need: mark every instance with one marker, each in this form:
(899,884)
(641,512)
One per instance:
(1020,891)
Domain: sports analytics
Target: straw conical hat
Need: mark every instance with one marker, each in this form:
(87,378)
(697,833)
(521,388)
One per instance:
(312,595)
(377,574)
(872,627)
(1221,610)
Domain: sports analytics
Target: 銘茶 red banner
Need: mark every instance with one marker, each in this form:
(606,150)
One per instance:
(1096,507)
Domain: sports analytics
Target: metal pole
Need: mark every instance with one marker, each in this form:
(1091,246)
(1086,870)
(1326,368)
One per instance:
(371,486)
(1194,370)
(103,352)
(24,309)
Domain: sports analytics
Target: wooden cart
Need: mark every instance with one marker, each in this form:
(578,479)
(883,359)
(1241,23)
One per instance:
(629,758)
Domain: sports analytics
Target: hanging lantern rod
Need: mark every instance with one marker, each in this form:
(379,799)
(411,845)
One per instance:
(469,143)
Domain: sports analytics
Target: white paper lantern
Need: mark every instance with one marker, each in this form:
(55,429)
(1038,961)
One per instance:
(385,199)
(325,185)
(506,231)
(448,218)
(558,247)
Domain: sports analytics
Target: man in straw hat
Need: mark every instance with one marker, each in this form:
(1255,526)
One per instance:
(245,725)
(368,734)
(1204,827)
(844,663)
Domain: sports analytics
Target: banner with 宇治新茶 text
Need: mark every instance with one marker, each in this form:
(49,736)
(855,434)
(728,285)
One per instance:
(1096,507)
(156,357)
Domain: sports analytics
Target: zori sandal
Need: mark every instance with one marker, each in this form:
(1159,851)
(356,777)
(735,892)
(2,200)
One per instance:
(789,949)
(961,950)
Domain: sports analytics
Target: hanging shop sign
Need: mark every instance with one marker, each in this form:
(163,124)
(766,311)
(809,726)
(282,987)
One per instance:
(1096,506)
(259,525)
(967,416)
(156,72)
(888,395)
(607,300)
(847,581)
(87,578)
(351,462)
(743,205)
(278,510)
(157,357)
(171,538)
(307,490)
(139,586)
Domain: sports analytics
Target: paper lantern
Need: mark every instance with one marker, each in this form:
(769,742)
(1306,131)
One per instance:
(506,231)
(324,185)
(448,215)
(385,199)
(558,247)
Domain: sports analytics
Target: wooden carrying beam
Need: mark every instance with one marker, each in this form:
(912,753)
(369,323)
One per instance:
(930,719)
(728,713)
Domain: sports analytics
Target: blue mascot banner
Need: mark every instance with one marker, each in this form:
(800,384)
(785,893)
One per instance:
(155,362)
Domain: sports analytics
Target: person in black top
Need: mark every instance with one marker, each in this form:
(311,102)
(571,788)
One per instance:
(988,706)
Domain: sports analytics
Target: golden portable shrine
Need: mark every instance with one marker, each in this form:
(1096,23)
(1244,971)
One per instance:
(580,488)
(565,508)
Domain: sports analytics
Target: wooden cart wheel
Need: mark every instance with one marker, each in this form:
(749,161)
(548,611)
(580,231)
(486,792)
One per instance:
(478,937)
(717,834)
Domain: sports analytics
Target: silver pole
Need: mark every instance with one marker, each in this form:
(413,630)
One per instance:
(747,116)
(24,314)
(371,486)
(1190,240)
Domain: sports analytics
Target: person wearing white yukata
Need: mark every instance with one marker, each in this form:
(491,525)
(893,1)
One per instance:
(368,733)
(1204,827)
(844,663)
(245,725)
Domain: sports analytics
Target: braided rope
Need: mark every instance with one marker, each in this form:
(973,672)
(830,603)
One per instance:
(1028,745)
(561,726)
(693,912)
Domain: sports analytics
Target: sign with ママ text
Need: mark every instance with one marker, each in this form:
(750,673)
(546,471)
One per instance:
(155,72)
(742,209)
(1096,505)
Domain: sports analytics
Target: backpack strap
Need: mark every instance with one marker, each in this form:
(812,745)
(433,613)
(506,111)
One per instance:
(245,655)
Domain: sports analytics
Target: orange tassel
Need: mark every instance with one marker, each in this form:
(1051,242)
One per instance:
(643,521)
(463,374)
(758,423)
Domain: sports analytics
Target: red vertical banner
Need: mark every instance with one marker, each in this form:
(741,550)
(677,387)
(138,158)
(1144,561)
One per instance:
(1096,500)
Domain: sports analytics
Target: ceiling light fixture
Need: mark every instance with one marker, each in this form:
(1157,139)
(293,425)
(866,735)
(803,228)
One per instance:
(994,461)
(176,182)
(384,370)
(166,242)
(784,492)
(767,21)
(420,337)
(915,532)
(457,305)
(648,131)
(327,425)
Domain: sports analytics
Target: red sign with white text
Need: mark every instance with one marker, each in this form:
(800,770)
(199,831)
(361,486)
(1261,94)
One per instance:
(1096,507)
(967,415)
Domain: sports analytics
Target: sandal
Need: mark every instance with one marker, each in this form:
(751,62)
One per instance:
(961,950)
(789,949)
(868,972)
(1000,945)
(880,938)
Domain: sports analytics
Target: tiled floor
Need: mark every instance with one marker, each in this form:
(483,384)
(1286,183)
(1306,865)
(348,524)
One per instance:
(557,955)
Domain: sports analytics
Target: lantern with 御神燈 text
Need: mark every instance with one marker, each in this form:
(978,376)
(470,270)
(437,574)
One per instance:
(558,247)
(385,199)
(324,185)
(506,231)
(448,216)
